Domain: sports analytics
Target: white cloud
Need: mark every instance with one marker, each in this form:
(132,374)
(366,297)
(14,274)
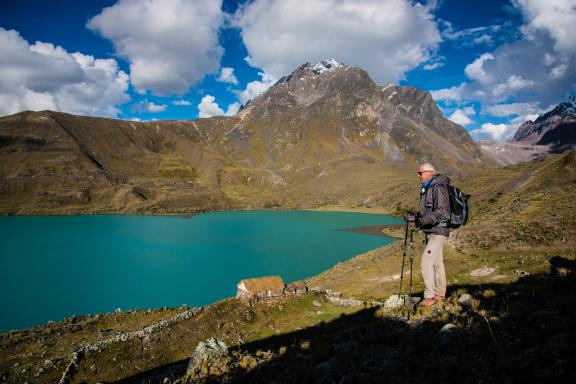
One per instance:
(453,94)
(558,71)
(43,76)
(232,109)
(511,85)
(460,117)
(227,76)
(555,17)
(170,44)
(523,118)
(509,109)
(497,132)
(181,102)
(254,88)
(475,70)
(208,107)
(146,106)
(386,38)
(537,67)
(434,64)
(469,36)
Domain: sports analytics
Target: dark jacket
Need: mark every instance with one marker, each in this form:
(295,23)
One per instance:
(434,208)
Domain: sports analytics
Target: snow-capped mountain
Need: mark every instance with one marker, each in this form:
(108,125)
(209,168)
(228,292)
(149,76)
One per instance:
(556,128)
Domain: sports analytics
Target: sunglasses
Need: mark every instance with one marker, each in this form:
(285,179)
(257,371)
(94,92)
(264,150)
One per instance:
(423,172)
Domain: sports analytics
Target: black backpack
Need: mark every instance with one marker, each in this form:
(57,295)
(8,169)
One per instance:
(458,207)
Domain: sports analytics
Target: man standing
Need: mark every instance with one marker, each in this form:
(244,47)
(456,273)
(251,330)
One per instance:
(434,220)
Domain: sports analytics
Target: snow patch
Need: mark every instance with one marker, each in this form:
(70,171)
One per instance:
(324,66)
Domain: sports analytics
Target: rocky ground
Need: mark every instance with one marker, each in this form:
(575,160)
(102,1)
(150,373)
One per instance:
(515,260)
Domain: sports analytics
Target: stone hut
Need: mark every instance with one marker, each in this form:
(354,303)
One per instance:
(269,286)
(296,288)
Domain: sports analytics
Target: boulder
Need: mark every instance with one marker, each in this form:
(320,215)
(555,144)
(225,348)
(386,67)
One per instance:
(209,358)
(485,271)
(465,299)
(396,301)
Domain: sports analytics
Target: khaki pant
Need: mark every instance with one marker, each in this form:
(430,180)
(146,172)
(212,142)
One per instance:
(432,266)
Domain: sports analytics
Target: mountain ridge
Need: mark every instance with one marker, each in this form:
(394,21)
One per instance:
(321,120)
(556,128)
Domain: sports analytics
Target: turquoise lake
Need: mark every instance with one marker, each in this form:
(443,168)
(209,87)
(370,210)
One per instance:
(52,267)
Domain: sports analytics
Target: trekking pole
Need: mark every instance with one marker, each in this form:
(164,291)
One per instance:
(403,260)
(411,266)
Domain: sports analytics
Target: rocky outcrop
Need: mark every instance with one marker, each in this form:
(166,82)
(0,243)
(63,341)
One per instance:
(556,128)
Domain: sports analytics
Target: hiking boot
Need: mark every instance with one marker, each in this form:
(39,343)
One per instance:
(427,302)
(439,298)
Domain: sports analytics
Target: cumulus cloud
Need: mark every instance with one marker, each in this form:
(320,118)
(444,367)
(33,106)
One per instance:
(43,76)
(146,106)
(227,76)
(460,117)
(170,44)
(232,109)
(475,70)
(449,95)
(254,88)
(496,132)
(387,38)
(208,107)
(537,67)
(555,17)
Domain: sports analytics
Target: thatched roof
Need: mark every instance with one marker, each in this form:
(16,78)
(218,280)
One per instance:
(261,284)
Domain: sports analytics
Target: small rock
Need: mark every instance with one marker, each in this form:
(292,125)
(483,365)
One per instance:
(447,328)
(166,380)
(518,272)
(446,333)
(317,303)
(118,310)
(485,271)
(93,367)
(465,299)
(339,302)
(318,312)
(396,301)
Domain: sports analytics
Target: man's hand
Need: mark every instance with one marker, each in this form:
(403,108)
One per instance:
(417,222)
(410,218)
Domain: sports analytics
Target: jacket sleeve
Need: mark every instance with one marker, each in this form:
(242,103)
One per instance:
(441,209)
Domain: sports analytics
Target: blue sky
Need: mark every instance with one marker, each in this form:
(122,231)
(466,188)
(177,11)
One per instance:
(490,65)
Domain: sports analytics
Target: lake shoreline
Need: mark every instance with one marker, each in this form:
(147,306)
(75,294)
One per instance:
(378,230)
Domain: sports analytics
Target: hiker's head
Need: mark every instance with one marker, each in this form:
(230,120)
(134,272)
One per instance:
(425,172)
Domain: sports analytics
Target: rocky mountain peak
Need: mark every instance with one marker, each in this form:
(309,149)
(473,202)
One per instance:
(556,128)
(323,66)
(562,110)
(308,70)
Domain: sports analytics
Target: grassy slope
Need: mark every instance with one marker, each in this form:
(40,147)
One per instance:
(522,216)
